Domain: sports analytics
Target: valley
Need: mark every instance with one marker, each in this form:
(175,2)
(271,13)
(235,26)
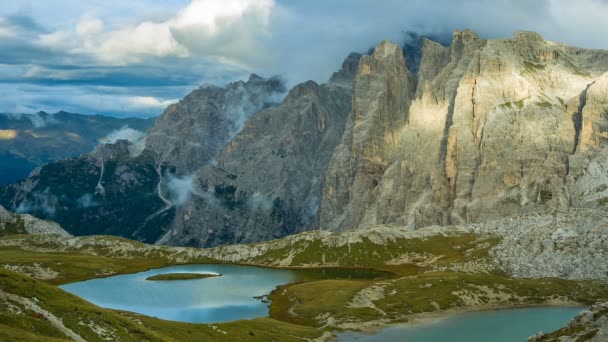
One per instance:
(439,270)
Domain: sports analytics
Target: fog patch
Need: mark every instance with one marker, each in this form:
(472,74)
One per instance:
(244,100)
(43,202)
(257,201)
(38,120)
(86,201)
(135,137)
(312,207)
(180,189)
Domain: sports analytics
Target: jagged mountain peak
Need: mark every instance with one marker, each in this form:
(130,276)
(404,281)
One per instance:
(191,132)
(488,135)
(387,49)
(344,77)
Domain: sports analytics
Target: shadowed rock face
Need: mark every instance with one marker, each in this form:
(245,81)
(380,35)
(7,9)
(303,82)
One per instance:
(267,182)
(497,128)
(118,189)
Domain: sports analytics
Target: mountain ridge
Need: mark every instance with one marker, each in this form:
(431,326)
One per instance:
(456,143)
(31,140)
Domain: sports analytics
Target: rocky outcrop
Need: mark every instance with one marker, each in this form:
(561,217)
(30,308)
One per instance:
(267,181)
(497,128)
(26,224)
(344,77)
(590,325)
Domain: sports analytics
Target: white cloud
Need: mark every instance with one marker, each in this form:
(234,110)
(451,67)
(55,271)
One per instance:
(180,189)
(125,133)
(216,28)
(137,139)
(6,32)
(149,102)
(195,42)
(88,26)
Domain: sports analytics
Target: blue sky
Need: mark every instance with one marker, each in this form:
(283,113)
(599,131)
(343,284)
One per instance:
(133,58)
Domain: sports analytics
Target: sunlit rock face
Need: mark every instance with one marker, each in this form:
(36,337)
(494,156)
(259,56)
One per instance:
(496,128)
(382,91)
(11,223)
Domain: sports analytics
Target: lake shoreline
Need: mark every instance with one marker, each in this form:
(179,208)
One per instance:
(424,318)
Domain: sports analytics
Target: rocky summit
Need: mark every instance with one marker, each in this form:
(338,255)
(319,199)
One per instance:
(478,131)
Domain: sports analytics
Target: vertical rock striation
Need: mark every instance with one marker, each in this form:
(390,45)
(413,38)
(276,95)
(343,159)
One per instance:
(490,133)
(382,91)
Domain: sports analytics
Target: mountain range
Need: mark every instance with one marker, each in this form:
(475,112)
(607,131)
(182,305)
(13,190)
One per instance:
(476,131)
(31,140)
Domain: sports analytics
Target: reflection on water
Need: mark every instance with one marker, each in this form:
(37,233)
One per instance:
(218,299)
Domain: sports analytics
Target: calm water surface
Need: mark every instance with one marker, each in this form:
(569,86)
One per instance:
(497,326)
(218,299)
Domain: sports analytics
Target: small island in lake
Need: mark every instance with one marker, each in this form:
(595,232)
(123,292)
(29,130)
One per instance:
(182,276)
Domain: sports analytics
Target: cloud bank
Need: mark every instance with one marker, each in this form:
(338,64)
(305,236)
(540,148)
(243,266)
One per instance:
(136,57)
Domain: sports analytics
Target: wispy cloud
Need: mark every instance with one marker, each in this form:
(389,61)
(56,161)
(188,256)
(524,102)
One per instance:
(137,139)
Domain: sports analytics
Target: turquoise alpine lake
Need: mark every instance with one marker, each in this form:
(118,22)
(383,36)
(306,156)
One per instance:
(497,326)
(224,298)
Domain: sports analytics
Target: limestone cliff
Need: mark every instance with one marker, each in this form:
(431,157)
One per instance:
(382,91)
(590,325)
(497,128)
(267,181)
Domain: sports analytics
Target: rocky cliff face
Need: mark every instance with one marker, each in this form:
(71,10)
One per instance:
(382,91)
(497,128)
(267,181)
